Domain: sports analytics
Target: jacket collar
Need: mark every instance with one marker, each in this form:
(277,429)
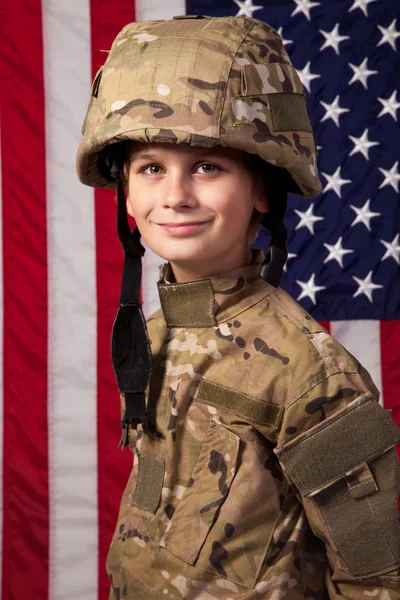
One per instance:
(217,299)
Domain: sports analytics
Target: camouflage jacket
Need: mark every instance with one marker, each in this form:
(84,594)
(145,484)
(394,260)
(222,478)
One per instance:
(268,468)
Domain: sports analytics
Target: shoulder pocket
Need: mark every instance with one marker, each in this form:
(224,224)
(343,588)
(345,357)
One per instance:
(348,467)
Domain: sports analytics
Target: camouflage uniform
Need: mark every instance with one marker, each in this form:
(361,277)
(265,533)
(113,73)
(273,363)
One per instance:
(268,469)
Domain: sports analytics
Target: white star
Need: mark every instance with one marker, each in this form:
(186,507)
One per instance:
(307,219)
(390,106)
(309,289)
(361,73)
(362,4)
(285,42)
(389,35)
(366,286)
(333,38)
(362,144)
(336,252)
(392,249)
(307,77)
(335,182)
(333,111)
(289,256)
(392,177)
(364,215)
(246,8)
(304,6)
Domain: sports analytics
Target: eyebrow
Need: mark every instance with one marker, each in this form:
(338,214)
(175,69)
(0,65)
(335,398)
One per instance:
(144,155)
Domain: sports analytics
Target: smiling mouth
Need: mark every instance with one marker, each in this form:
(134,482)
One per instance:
(182,224)
(184,229)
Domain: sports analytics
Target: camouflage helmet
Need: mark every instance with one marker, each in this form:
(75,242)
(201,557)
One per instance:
(202,81)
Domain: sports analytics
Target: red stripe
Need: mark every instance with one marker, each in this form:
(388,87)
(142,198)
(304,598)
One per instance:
(326,325)
(113,465)
(25,465)
(390,364)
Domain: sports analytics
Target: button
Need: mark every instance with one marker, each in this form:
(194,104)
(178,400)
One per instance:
(189,17)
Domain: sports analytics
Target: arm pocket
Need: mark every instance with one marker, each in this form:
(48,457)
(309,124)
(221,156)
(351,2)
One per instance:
(347,467)
(210,483)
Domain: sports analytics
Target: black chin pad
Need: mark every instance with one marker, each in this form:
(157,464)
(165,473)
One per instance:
(130,349)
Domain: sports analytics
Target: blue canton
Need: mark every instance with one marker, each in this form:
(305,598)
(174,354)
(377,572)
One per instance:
(344,246)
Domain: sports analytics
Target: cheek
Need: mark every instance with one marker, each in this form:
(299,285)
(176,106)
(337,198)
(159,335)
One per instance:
(234,205)
(131,207)
(137,201)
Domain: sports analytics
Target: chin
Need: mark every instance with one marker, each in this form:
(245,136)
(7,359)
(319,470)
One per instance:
(179,255)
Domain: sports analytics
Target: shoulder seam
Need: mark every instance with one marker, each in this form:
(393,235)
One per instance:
(297,323)
(318,379)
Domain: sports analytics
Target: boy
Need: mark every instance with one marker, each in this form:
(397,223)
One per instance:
(265,466)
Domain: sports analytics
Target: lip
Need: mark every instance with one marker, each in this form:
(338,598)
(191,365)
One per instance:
(183,228)
(184,224)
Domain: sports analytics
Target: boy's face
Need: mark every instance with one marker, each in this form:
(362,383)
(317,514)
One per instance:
(209,189)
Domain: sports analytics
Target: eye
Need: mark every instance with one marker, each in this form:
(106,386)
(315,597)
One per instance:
(208,168)
(153,170)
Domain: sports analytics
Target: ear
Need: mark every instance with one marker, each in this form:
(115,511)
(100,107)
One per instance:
(262,204)
(261,201)
(128,207)
(261,190)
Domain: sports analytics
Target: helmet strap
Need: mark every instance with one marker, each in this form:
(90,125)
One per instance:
(275,255)
(130,345)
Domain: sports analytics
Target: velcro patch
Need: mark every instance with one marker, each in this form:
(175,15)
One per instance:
(179,308)
(289,112)
(354,436)
(252,410)
(149,483)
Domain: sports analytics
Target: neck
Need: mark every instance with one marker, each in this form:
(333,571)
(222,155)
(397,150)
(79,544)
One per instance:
(195,270)
(211,300)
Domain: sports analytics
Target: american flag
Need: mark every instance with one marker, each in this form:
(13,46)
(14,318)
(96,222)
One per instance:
(62,473)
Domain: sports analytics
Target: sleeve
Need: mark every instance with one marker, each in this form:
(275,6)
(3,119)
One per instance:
(345,470)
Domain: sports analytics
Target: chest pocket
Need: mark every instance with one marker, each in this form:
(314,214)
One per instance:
(226,517)
(206,491)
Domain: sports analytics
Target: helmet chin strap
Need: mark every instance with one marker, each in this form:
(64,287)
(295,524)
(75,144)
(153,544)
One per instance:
(276,251)
(275,255)
(130,346)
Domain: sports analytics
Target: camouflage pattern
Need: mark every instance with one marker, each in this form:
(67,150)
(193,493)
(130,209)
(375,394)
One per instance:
(211,81)
(218,518)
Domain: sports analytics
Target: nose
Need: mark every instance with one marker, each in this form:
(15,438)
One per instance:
(178,192)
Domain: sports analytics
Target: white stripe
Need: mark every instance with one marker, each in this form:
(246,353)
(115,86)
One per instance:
(1,373)
(153,10)
(72,308)
(151,268)
(363,339)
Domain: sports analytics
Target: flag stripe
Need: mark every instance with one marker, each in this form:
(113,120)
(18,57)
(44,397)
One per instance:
(145,10)
(362,338)
(326,325)
(390,357)
(1,365)
(156,9)
(25,460)
(113,465)
(72,309)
